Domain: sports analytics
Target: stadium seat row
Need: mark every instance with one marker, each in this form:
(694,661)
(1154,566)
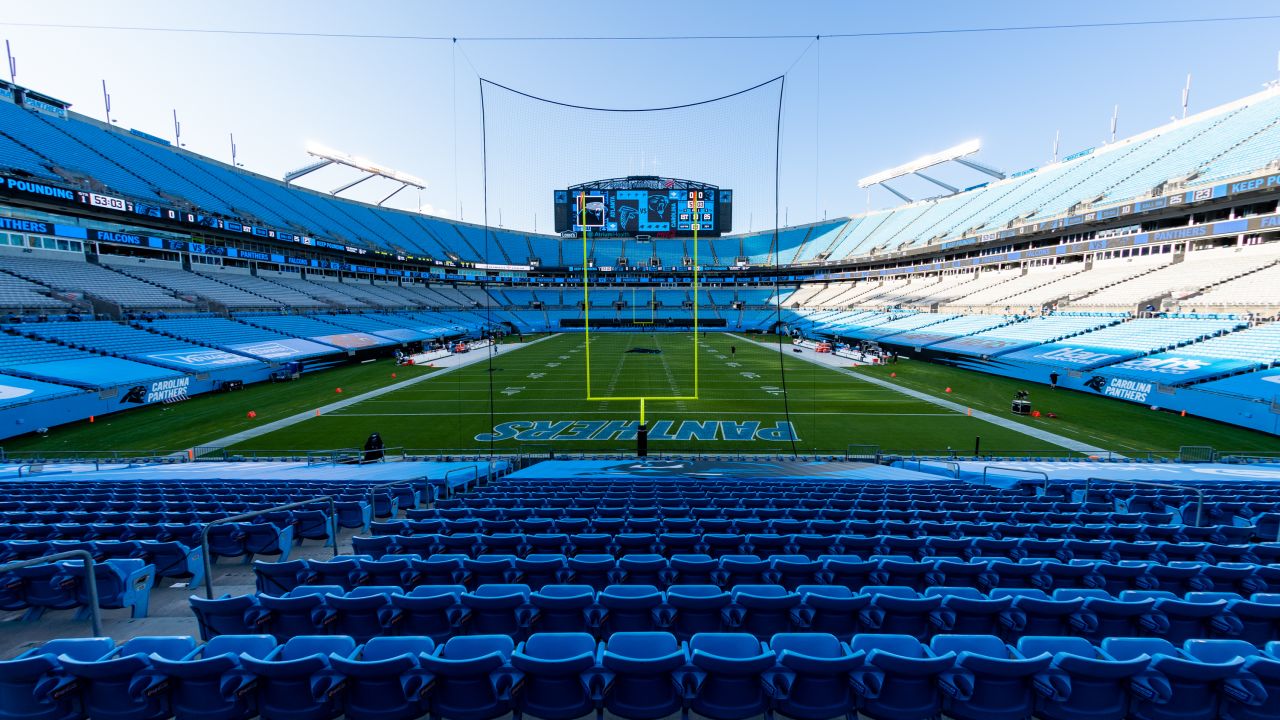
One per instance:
(687,526)
(237,539)
(122,583)
(170,559)
(852,571)
(718,544)
(442,611)
(639,676)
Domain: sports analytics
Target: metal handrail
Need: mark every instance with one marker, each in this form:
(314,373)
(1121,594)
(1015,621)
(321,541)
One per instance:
(849,446)
(475,475)
(90,579)
(919,461)
(373,507)
(987,468)
(1199,493)
(204,532)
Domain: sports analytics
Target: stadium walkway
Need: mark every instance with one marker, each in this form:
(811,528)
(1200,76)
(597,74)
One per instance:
(448,365)
(834,363)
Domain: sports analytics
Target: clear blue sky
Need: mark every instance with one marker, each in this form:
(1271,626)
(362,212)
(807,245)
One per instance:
(852,106)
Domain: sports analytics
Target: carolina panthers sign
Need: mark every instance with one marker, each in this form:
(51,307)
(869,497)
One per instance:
(602,430)
(171,390)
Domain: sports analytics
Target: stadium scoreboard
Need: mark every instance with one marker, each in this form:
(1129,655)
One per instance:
(627,207)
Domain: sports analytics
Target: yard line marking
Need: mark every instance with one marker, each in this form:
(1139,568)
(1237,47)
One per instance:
(1037,433)
(282,423)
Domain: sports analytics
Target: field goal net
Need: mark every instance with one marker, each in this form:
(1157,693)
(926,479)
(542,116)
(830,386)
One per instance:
(637,206)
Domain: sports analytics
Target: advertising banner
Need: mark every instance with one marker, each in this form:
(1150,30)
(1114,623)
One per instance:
(352,340)
(1175,368)
(1070,355)
(283,349)
(197,360)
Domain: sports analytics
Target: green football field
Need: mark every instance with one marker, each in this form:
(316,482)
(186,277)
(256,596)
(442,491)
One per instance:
(533,397)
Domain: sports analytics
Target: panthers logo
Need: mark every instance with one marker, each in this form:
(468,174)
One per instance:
(1096,383)
(137,395)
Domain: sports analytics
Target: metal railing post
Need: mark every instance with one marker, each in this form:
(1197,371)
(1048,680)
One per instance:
(204,531)
(373,503)
(90,579)
(1169,486)
(987,468)
(475,475)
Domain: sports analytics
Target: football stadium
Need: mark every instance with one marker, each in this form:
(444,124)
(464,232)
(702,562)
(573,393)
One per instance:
(652,361)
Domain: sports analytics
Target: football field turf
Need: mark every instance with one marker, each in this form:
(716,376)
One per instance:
(743,403)
(539,404)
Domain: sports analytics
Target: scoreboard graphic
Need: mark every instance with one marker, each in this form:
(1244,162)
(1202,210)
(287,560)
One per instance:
(643,206)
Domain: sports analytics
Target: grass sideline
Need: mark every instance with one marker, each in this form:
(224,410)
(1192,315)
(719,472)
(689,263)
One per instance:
(1121,426)
(544,382)
(176,427)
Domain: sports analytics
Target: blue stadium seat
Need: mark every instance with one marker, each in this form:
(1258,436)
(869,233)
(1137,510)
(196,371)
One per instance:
(898,610)
(1253,693)
(762,610)
(474,679)
(565,608)
(123,683)
(1256,620)
(211,682)
(228,615)
(1176,618)
(500,609)
(965,611)
(1083,682)
(297,680)
(831,609)
(434,611)
(727,676)
(1033,612)
(629,608)
(278,578)
(36,686)
(693,609)
(989,681)
(811,680)
(560,677)
(643,666)
(300,612)
(385,678)
(898,677)
(364,613)
(1103,616)
(1174,685)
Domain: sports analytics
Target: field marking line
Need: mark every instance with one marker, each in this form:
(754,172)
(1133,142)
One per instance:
(243,435)
(1059,440)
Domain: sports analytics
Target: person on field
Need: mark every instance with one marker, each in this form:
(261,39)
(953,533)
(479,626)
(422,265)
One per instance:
(1053,380)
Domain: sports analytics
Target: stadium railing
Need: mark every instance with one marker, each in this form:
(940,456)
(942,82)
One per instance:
(1088,483)
(204,531)
(90,580)
(986,469)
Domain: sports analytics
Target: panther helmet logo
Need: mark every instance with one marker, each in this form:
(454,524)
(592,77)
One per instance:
(137,395)
(1096,383)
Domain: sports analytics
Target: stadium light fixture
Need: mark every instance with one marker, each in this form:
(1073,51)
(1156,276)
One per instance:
(922,163)
(327,156)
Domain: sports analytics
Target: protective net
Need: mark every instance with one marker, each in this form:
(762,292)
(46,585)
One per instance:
(661,221)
